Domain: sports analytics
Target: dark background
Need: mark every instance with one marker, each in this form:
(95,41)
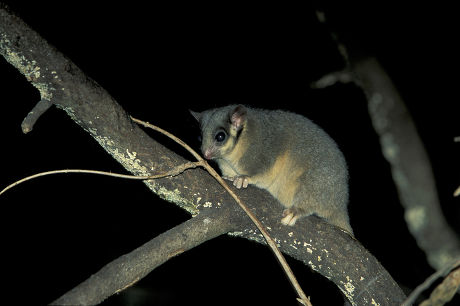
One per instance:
(160,60)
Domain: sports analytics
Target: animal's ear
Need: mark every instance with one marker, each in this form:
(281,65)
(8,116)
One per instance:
(238,117)
(195,115)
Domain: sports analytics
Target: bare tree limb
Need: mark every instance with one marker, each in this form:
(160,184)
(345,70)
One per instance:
(402,148)
(410,166)
(321,246)
(130,268)
(32,117)
(445,291)
(429,281)
(176,171)
(457,191)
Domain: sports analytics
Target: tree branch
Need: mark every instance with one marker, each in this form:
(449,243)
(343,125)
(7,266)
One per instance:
(126,270)
(320,245)
(410,166)
(430,280)
(32,117)
(279,256)
(402,148)
(445,291)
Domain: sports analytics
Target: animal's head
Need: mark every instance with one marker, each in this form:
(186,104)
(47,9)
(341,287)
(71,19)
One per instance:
(220,129)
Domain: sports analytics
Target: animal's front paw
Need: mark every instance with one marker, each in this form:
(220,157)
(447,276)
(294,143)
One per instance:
(239,181)
(290,216)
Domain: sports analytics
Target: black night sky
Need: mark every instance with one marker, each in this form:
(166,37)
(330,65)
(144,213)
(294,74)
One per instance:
(158,61)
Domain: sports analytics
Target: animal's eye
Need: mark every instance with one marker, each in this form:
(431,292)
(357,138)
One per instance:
(220,136)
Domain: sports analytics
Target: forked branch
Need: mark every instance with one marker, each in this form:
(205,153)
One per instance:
(279,256)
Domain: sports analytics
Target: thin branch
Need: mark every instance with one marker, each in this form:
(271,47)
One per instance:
(429,281)
(39,109)
(173,172)
(177,170)
(177,140)
(321,16)
(457,191)
(445,291)
(343,76)
(271,243)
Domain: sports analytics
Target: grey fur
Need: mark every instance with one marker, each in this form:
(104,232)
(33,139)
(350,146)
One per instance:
(322,186)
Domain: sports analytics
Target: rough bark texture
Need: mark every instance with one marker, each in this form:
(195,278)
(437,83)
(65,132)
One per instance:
(319,245)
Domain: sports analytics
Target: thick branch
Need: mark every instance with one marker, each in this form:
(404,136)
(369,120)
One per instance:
(410,166)
(403,149)
(323,247)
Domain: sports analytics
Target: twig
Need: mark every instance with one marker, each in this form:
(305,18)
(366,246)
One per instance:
(32,117)
(457,191)
(271,243)
(429,281)
(177,170)
(333,78)
(445,291)
(321,16)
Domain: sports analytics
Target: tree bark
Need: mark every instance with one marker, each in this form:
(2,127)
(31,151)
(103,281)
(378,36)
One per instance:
(321,246)
(128,269)
(401,146)
(410,166)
